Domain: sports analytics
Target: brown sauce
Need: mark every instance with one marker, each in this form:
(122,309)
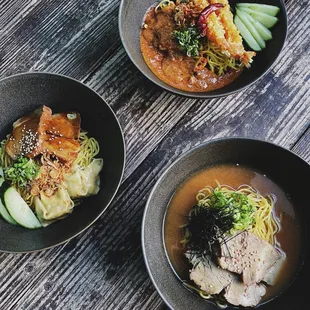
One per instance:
(289,238)
(175,68)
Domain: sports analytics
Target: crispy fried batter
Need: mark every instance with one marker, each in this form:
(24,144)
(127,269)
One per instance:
(222,31)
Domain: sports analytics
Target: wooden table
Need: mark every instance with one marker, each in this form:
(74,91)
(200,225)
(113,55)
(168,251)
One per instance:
(103,268)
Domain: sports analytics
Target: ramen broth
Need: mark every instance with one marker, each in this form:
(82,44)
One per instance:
(288,239)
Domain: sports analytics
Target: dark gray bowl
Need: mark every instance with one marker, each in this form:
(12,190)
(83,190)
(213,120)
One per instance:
(285,168)
(21,94)
(131,14)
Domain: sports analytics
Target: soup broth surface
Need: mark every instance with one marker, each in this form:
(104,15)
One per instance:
(288,239)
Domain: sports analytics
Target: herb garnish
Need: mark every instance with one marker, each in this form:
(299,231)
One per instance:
(22,171)
(239,204)
(215,216)
(189,40)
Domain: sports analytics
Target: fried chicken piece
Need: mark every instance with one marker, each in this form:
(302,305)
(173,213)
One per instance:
(66,125)
(41,132)
(58,134)
(63,148)
(222,31)
(24,139)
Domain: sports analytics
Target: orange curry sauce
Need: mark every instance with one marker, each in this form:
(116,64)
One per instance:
(162,55)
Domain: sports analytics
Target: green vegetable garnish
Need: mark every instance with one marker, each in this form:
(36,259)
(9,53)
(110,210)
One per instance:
(22,171)
(216,216)
(237,203)
(188,39)
(191,43)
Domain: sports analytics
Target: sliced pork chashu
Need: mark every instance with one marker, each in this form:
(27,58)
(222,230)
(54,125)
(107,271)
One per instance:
(212,279)
(254,258)
(239,294)
(271,275)
(208,276)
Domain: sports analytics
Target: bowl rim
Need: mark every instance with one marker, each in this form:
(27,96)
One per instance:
(163,174)
(195,95)
(65,77)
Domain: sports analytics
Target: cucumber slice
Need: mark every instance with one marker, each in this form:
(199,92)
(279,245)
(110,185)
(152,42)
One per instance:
(251,28)
(5,214)
(271,10)
(246,34)
(19,210)
(267,20)
(264,32)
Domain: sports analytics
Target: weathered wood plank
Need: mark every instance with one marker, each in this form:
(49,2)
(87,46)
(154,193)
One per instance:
(302,147)
(46,35)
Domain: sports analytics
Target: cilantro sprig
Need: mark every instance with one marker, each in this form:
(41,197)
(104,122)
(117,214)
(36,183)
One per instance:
(188,40)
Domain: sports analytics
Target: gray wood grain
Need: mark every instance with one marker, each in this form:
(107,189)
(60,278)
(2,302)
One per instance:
(103,268)
(302,146)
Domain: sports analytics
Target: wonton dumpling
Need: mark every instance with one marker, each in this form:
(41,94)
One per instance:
(56,206)
(84,181)
(73,183)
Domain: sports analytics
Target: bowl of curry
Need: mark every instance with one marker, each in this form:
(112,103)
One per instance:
(194,48)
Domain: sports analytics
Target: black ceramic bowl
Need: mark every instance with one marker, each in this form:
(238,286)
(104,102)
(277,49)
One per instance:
(285,168)
(21,94)
(131,15)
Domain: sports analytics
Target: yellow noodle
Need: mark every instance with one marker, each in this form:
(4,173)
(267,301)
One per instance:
(265,225)
(89,149)
(26,195)
(217,62)
(5,159)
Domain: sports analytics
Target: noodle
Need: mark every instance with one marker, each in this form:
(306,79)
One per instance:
(265,225)
(5,159)
(215,60)
(89,149)
(26,195)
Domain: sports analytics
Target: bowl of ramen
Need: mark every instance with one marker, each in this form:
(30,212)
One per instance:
(203,48)
(225,227)
(61,160)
